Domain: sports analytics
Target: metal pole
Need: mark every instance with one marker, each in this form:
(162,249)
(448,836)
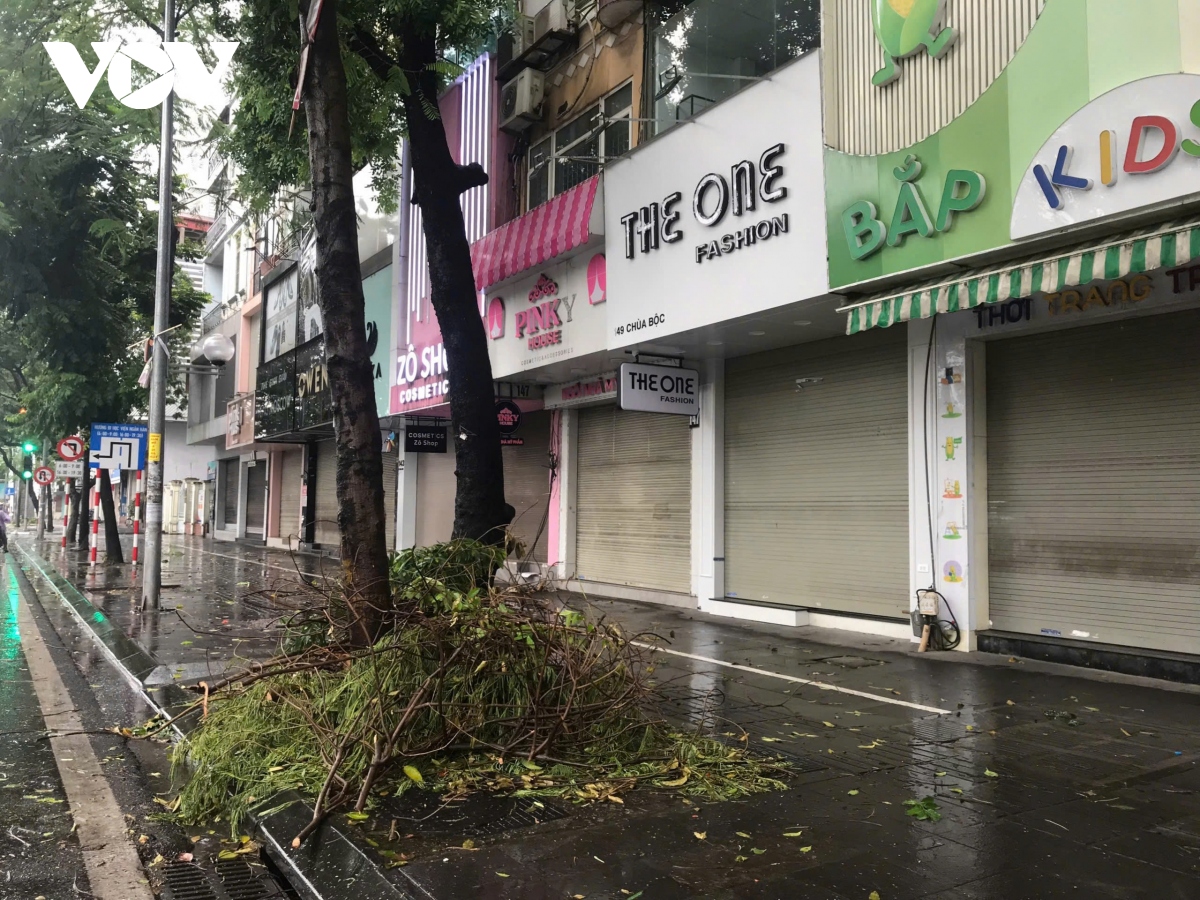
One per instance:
(152,574)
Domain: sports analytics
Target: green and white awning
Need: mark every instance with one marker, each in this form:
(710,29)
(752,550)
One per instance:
(1131,254)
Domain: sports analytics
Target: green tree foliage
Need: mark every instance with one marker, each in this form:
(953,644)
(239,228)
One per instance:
(77,235)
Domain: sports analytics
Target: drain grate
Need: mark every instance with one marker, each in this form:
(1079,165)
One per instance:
(800,763)
(518,818)
(942,730)
(242,882)
(187,881)
(231,879)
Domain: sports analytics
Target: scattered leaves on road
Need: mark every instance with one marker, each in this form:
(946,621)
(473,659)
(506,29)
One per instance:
(700,835)
(990,774)
(925,810)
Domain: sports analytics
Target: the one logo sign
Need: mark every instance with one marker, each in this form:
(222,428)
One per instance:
(660,389)
(43,475)
(508,417)
(70,448)
(496,318)
(906,27)
(1137,146)
(118,447)
(597,279)
(172,62)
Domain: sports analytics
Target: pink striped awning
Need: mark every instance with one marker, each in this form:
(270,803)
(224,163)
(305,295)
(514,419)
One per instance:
(552,229)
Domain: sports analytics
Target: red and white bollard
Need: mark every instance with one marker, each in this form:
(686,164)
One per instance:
(137,508)
(95,522)
(67,509)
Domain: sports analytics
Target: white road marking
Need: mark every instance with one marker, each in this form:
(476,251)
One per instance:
(113,868)
(823,685)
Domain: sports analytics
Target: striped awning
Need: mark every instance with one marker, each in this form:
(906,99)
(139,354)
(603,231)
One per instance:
(556,227)
(1130,254)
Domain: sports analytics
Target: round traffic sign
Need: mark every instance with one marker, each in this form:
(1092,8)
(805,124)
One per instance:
(43,475)
(70,448)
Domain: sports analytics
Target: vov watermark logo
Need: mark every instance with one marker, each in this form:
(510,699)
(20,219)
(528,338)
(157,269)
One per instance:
(171,62)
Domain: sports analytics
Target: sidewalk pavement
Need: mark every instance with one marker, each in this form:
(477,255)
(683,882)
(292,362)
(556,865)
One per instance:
(1050,781)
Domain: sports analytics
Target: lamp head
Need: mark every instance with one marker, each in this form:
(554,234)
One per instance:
(217,349)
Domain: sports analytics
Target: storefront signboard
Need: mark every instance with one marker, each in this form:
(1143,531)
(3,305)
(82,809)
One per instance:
(422,372)
(550,314)
(586,391)
(426,439)
(1137,146)
(721,217)
(508,417)
(659,389)
(377,296)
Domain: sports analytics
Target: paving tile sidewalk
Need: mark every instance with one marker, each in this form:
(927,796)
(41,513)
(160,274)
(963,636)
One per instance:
(1049,781)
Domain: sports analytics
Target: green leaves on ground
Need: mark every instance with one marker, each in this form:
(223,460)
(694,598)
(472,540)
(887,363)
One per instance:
(925,810)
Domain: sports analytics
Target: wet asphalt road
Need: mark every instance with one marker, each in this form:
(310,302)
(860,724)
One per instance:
(1049,782)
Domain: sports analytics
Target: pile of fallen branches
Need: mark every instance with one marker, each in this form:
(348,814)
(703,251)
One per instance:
(473,688)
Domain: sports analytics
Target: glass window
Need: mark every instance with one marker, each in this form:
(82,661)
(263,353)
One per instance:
(705,50)
(576,152)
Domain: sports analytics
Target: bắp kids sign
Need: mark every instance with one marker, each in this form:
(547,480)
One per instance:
(1135,147)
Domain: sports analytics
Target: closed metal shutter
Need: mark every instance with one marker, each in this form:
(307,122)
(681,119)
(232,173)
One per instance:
(327,534)
(1094,483)
(634,521)
(229,491)
(816,477)
(291,480)
(527,483)
(436,487)
(256,497)
(391,462)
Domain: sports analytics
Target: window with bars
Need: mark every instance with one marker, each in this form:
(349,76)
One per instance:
(579,149)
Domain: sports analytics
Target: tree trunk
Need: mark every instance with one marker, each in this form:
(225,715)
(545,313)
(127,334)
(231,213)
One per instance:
(348,361)
(112,534)
(479,508)
(73,511)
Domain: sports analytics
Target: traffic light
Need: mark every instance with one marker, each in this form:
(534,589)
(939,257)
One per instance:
(29,447)
(27,463)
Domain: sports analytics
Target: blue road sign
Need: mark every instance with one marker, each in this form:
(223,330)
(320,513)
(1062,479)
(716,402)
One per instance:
(118,447)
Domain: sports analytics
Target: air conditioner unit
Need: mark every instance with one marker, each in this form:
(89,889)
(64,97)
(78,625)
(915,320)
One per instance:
(553,17)
(521,101)
(523,34)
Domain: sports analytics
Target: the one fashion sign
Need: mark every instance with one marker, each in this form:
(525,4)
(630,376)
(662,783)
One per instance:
(171,63)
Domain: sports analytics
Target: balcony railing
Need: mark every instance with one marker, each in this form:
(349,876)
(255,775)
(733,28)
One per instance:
(218,314)
(216,233)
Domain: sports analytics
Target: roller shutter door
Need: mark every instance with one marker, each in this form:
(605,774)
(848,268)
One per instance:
(1094,483)
(634,521)
(256,497)
(291,480)
(391,462)
(527,483)
(327,534)
(436,487)
(816,477)
(229,492)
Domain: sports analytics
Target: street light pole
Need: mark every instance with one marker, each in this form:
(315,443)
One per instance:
(152,574)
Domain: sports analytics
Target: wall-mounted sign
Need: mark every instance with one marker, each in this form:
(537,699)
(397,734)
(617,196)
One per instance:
(545,316)
(600,389)
(722,216)
(1136,146)
(904,28)
(866,235)
(1091,300)
(422,370)
(426,439)
(508,417)
(659,389)
(715,195)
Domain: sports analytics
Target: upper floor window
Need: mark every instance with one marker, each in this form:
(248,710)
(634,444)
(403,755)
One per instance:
(578,150)
(705,50)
